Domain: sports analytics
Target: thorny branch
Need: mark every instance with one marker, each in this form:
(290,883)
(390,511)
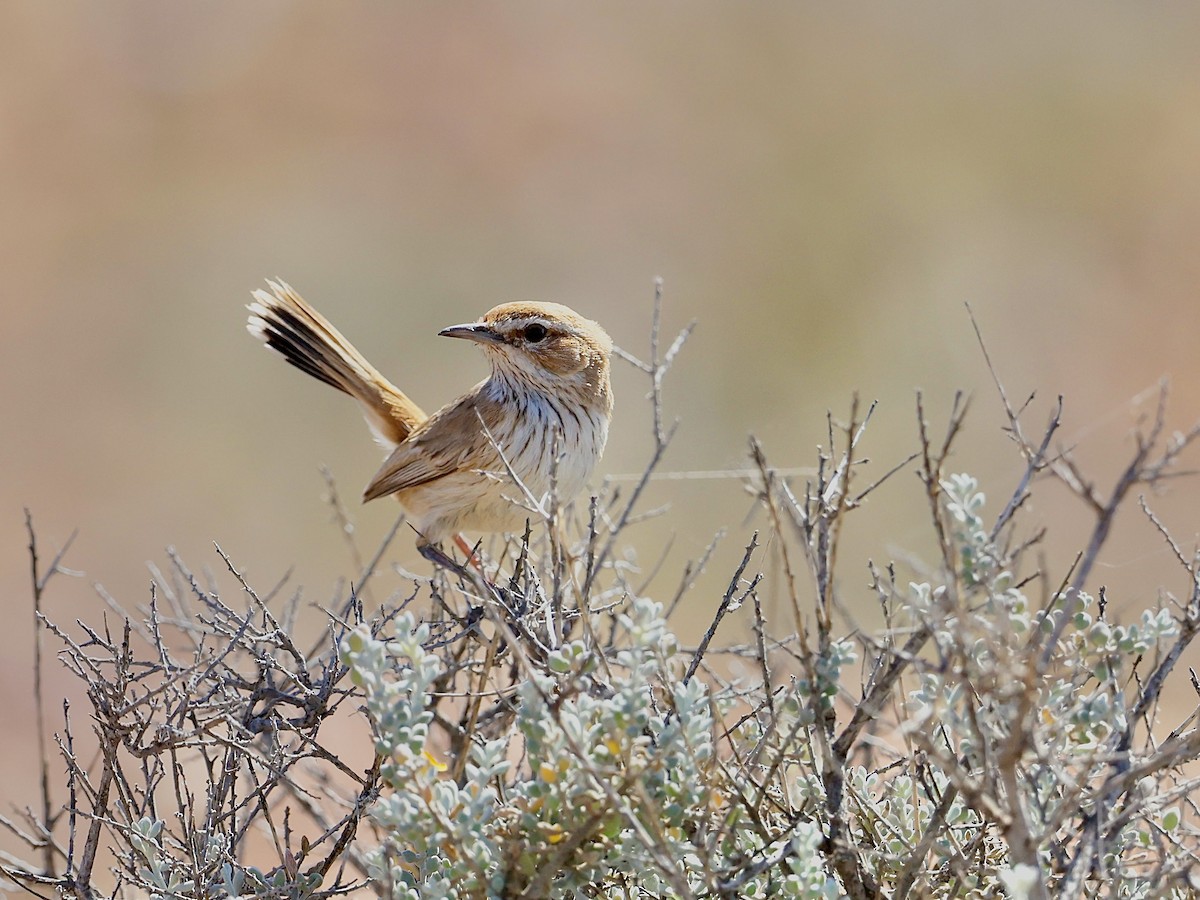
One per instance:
(221,727)
(39,579)
(657,369)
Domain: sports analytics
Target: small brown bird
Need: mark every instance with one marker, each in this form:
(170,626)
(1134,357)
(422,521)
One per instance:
(549,388)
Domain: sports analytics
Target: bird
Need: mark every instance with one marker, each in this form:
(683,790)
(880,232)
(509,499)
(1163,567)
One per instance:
(536,425)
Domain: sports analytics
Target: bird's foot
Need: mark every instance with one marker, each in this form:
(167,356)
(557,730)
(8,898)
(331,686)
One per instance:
(438,557)
(473,575)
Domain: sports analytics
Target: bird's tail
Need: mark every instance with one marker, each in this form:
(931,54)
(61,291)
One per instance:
(288,325)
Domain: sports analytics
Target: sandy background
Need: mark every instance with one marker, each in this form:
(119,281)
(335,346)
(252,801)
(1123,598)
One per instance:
(821,187)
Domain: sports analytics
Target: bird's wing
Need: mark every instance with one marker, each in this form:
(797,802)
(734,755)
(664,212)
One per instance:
(451,440)
(406,467)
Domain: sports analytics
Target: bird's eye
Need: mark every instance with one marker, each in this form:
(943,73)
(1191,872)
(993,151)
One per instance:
(535,333)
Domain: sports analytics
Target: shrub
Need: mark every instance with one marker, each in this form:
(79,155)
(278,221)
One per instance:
(541,732)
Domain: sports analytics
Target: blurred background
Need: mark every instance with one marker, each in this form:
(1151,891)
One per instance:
(823,188)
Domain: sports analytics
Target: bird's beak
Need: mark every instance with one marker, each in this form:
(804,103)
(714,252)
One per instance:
(473,331)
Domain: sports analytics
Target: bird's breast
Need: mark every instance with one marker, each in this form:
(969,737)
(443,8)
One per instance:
(549,443)
(554,440)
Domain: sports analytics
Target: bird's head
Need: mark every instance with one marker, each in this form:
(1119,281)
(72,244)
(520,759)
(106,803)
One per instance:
(546,344)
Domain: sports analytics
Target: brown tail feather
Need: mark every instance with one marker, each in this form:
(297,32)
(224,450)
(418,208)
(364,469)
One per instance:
(288,325)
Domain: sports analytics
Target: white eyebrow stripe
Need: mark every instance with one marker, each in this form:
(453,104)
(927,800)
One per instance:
(549,325)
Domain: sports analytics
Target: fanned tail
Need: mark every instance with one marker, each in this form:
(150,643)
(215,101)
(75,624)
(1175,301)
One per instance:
(285,323)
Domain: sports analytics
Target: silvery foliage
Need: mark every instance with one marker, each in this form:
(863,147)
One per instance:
(1043,693)
(642,788)
(610,788)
